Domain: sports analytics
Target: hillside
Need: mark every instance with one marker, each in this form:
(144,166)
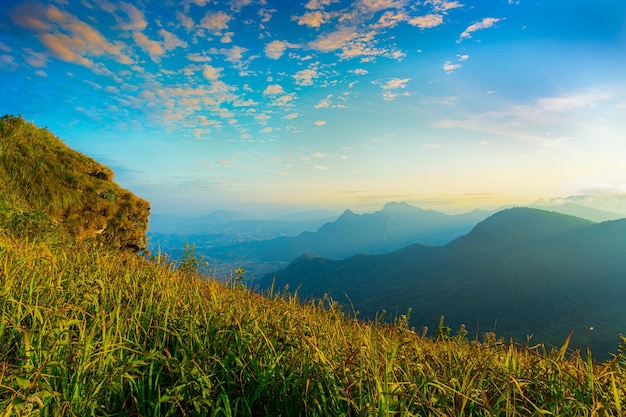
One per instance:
(521,271)
(91,330)
(46,182)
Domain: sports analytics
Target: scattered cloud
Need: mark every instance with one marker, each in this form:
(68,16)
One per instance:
(234,54)
(486,23)
(306,77)
(196,57)
(572,102)
(211,73)
(215,22)
(136,19)
(312,19)
(333,41)
(276,48)
(395,83)
(444,5)
(320,123)
(325,103)
(153,48)
(273,90)
(318,4)
(171,41)
(79,41)
(7,62)
(426,22)
(449,67)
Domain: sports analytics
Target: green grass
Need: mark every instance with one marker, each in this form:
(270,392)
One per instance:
(87,331)
(40,174)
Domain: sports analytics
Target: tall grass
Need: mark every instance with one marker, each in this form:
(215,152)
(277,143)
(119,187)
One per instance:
(89,331)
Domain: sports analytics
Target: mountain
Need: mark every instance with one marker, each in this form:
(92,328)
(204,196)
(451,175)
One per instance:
(395,226)
(578,210)
(521,271)
(48,186)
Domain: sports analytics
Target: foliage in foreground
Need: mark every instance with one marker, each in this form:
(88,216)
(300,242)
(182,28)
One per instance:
(87,331)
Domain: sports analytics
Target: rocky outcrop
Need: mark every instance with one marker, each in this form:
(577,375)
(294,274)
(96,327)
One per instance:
(40,174)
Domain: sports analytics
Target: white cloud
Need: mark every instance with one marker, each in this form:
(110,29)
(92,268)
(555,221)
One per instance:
(215,22)
(318,4)
(8,62)
(325,103)
(153,48)
(320,167)
(571,102)
(486,23)
(448,66)
(137,20)
(211,73)
(171,41)
(276,49)
(312,19)
(186,21)
(291,116)
(359,71)
(334,40)
(198,58)
(306,76)
(395,83)
(443,5)
(320,123)
(425,22)
(234,54)
(390,95)
(373,6)
(273,90)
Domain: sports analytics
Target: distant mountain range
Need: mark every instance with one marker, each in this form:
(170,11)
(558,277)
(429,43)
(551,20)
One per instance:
(521,271)
(395,226)
(590,213)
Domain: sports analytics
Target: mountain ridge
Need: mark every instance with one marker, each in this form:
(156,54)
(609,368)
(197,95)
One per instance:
(560,268)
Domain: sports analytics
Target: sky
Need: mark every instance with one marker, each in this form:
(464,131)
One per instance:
(256,105)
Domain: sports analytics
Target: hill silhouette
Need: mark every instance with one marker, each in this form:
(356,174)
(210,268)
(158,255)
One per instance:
(45,184)
(395,226)
(521,271)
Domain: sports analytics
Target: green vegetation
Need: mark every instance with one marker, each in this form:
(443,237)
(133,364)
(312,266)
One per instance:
(89,330)
(43,180)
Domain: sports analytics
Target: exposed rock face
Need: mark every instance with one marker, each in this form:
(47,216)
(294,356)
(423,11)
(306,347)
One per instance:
(39,173)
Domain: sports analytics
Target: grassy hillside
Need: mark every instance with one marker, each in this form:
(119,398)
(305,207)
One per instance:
(45,183)
(90,330)
(101,332)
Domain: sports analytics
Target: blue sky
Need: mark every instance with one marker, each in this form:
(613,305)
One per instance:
(256,104)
